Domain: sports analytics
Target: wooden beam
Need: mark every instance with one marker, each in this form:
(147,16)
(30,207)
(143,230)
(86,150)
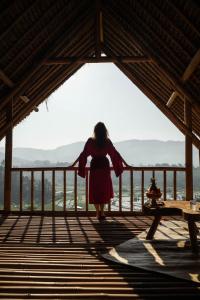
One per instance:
(141,42)
(57,44)
(98,28)
(183,17)
(18,18)
(10,83)
(178,46)
(172,98)
(102,59)
(8,159)
(101,27)
(188,152)
(160,104)
(25,36)
(168,20)
(43,95)
(6,80)
(25,99)
(195,61)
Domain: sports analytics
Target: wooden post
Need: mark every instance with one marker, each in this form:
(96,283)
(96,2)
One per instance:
(8,160)
(188,152)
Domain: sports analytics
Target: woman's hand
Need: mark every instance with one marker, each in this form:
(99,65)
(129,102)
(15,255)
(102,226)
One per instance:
(126,164)
(74,163)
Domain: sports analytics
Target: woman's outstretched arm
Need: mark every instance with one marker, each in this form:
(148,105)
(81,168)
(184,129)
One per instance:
(82,158)
(125,163)
(74,163)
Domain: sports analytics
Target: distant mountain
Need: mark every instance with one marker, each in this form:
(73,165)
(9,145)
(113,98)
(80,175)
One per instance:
(136,152)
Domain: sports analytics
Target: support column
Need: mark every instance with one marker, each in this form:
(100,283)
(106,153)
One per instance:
(188,152)
(8,160)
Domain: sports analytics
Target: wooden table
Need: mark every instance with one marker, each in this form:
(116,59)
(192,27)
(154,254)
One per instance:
(172,208)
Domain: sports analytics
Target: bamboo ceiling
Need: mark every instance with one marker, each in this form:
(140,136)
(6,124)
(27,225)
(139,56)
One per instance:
(155,43)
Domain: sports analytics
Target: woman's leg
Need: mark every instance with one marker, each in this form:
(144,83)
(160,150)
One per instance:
(97,209)
(102,209)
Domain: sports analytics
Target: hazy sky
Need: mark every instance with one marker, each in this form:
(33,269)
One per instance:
(97,92)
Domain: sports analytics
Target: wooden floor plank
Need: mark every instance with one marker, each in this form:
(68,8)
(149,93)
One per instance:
(59,258)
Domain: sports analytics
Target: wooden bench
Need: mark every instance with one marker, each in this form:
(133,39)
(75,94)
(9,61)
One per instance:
(172,208)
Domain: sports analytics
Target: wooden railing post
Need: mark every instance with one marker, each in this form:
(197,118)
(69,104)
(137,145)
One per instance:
(188,152)
(111,209)
(8,160)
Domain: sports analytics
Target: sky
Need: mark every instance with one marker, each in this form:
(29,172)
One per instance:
(97,92)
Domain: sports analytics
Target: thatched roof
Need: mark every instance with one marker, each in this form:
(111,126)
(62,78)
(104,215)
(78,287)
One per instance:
(155,43)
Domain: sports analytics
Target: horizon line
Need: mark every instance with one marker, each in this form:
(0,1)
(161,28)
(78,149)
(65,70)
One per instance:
(115,142)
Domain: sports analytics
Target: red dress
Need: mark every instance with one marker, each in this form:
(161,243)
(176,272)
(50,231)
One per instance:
(100,182)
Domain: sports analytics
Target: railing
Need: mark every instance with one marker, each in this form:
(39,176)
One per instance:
(61,189)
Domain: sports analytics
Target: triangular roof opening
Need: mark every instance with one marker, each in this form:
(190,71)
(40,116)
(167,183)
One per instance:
(96,92)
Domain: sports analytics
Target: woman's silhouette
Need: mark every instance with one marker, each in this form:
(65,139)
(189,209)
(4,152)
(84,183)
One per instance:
(100,183)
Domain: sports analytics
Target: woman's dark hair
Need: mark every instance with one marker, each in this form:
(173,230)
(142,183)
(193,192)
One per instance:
(100,134)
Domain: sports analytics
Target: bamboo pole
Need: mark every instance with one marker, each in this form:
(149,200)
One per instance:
(188,152)
(172,98)
(8,159)
(195,61)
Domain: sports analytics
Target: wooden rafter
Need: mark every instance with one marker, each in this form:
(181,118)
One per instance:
(25,99)
(172,98)
(113,25)
(102,59)
(99,28)
(19,18)
(158,77)
(195,61)
(6,80)
(42,94)
(83,47)
(165,31)
(11,84)
(149,93)
(26,36)
(38,63)
(183,17)
(168,20)
(140,41)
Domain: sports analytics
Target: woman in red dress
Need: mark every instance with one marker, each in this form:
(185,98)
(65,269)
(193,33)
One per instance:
(100,183)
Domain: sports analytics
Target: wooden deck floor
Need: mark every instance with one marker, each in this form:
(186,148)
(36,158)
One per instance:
(58,258)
